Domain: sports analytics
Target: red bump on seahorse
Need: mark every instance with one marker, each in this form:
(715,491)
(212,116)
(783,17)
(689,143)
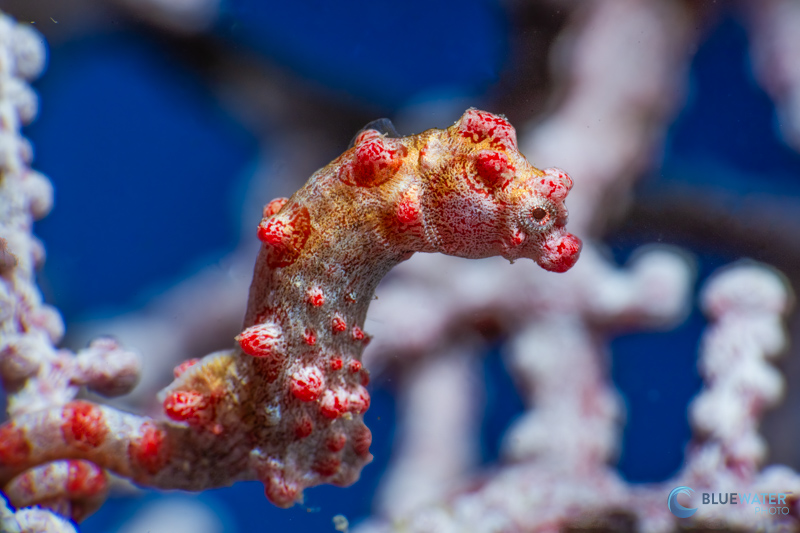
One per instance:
(285,404)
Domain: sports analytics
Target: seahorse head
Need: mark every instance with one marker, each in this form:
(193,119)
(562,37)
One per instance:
(482,197)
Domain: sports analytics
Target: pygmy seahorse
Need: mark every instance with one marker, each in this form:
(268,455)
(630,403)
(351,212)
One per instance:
(286,406)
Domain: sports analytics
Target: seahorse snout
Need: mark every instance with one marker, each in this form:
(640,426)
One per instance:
(560,252)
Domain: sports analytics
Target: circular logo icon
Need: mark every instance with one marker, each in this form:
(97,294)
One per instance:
(677,509)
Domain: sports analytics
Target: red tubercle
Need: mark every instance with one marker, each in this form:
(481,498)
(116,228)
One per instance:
(494,168)
(309,337)
(354,366)
(336,363)
(315,296)
(179,370)
(149,451)
(285,235)
(83,425)
(336,442)
(333,404)
(478,126)
(359,400)
(376,159)
(273,232)
(561,254)
(404,223)
(560,175)
(307,383)
(85,479)
(14,447)
(303,427)
(408,211)
(273,207)
(262,340)
(338,324)
(279,490)
(555,184)
(326,464)
(358,334)
(361,438)
(364,377)
(366,135)
(188,406)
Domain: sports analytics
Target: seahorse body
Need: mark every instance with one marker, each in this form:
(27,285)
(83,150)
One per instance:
(463,191)
(285,406)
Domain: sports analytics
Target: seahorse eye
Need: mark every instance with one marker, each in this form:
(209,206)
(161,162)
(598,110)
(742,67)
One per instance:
(539,217)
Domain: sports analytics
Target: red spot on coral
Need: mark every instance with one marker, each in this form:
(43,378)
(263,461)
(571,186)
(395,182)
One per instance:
(309,337)
(14,448)
(478,126)
(187,406)
(338,324)
(361,438)
(84,479)
(285,235)
(364,377)
(333,404)
(336,363)
(183,367)
(149,450)
(273,207)
(354,366)
(494,168)
(83,425)
(307,383)
(315,296)
(336,442)
(262,340)
(303,427)
(327,465)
